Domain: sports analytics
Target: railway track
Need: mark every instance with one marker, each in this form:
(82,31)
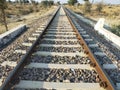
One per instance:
(8,58)
(59,59)
(109,58)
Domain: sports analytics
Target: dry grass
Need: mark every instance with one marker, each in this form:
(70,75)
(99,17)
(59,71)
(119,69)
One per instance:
(22,18)
(110,13)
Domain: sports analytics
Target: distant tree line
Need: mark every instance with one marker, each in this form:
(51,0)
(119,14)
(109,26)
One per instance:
(44,2)
(47,3)
(87,5)
(23,1)
(72,2)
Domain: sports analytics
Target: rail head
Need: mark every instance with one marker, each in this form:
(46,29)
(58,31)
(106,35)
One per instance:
(10,79)
(106,81)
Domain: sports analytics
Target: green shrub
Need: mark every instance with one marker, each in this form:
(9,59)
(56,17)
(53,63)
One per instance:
(116,29)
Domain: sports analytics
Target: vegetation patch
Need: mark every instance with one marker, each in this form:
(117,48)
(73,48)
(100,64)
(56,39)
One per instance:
(116,29)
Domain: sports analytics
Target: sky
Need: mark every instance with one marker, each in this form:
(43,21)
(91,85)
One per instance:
(81,1)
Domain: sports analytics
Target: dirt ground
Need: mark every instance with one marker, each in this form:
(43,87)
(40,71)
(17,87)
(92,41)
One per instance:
(16,19)
(109,12)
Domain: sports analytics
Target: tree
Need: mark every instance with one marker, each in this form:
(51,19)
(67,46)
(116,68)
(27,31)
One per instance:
(72,2)
(58,2)
(25,1)
(9,1)
(51,2)
(46,3)
(3,6)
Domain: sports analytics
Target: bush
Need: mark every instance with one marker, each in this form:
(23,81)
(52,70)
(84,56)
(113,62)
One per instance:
(87,7)
(99,7)
(116,29)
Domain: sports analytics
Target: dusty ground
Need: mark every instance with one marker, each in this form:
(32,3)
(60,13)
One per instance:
(18,18)
(110,13)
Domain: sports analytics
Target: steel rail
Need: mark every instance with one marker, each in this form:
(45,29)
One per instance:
(106,81)
(10,80)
